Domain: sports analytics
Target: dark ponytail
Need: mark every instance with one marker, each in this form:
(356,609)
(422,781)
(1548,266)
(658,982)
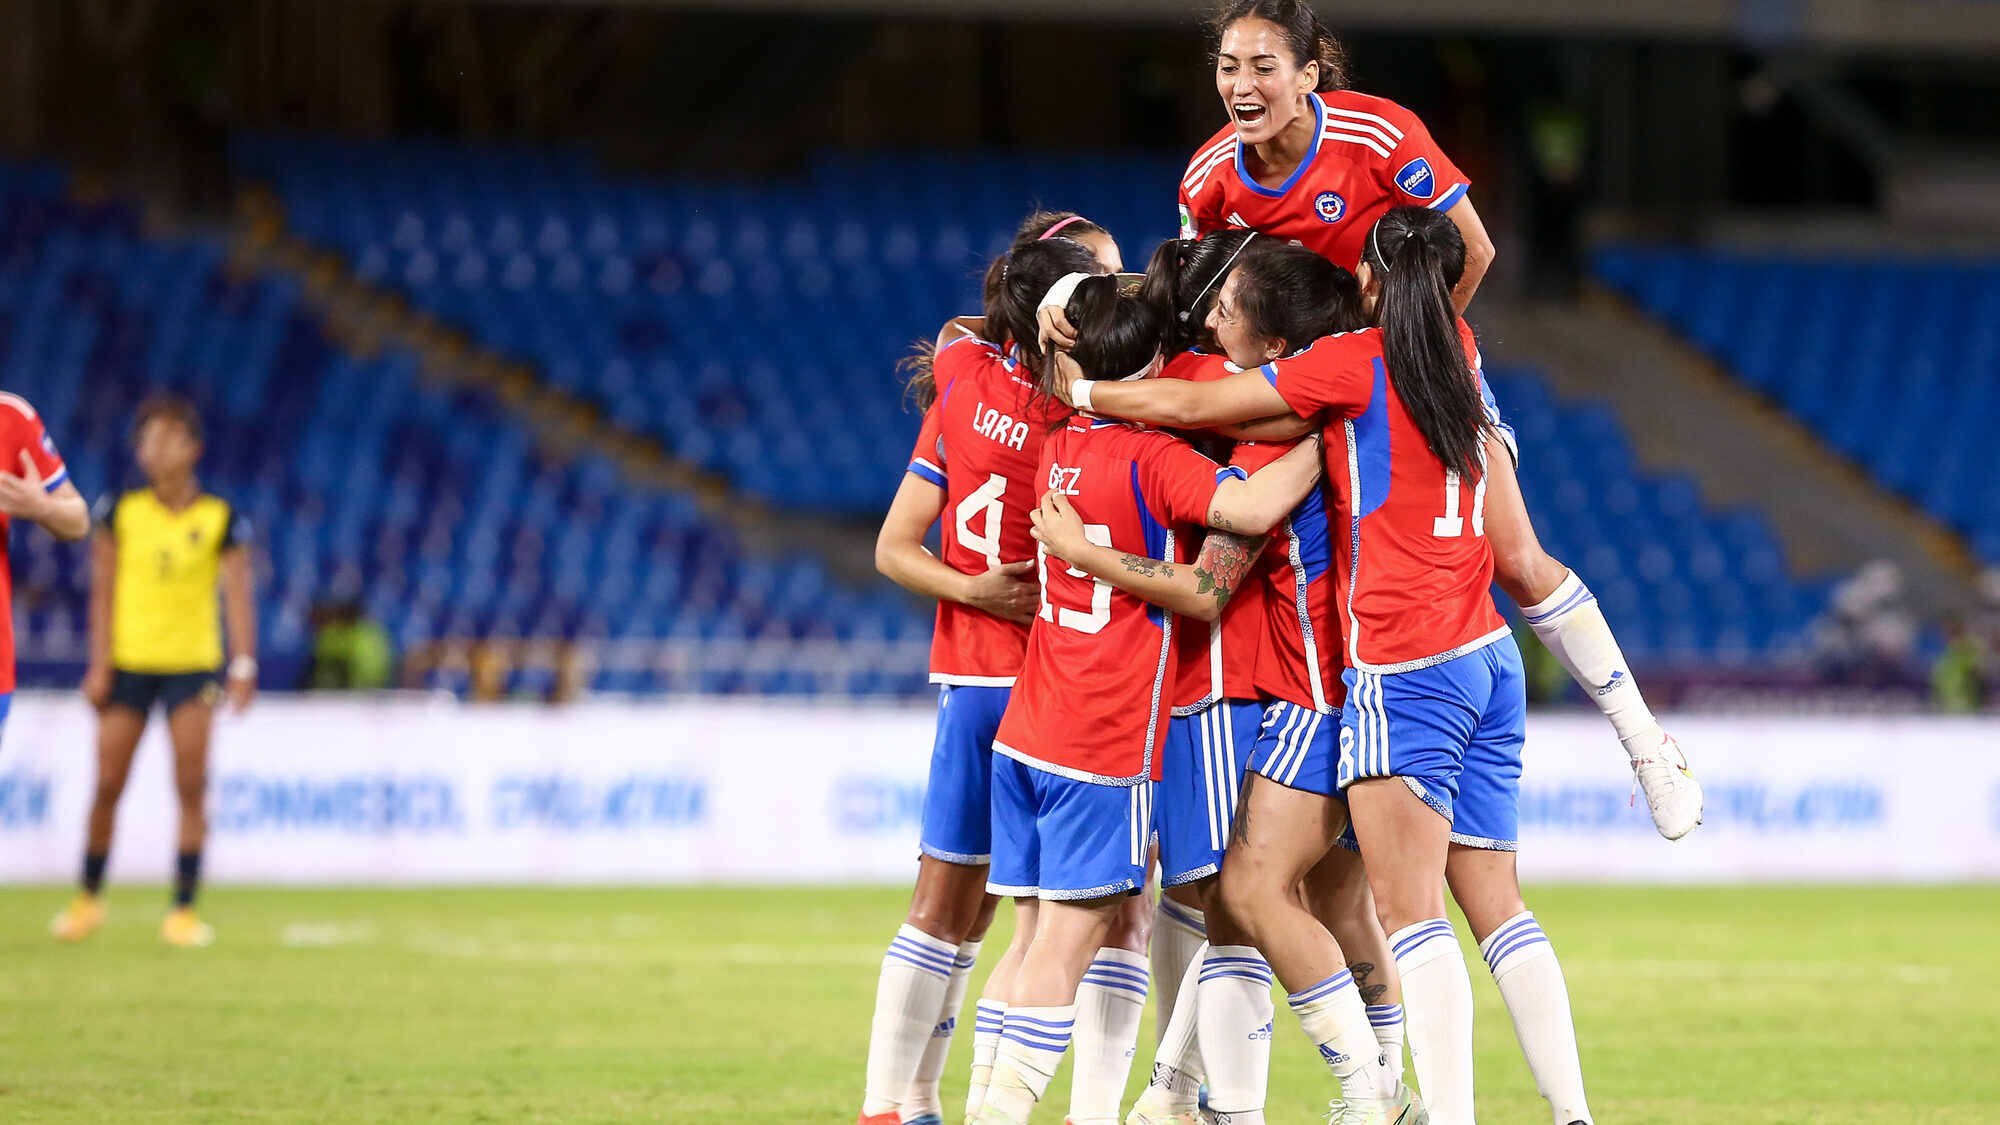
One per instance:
(1183,279)
(1306,37)
(1289,292)
(1014,286)
(919,379)
(1117,332)
(1418,255)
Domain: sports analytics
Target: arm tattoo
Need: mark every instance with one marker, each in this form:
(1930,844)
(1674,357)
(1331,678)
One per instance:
(1225,559)
(1362,970)
(1150,568)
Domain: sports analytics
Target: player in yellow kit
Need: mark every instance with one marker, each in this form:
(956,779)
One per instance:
(162,555)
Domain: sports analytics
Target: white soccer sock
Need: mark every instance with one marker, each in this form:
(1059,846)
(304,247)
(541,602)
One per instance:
(1573,627)
(923,1096)
(1334,1018)
(1387,1020)
(1179,932)
(1234,1023)
(916,972)
(1175,1085)
(1031,1047)
(1109,1003)
(1437,999)
(1531,982)
(987,1019)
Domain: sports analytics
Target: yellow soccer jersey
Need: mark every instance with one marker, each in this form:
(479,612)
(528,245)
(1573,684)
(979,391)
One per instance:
(165,600)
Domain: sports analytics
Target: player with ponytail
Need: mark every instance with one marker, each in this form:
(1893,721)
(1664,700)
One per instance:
(1432,729)
(1079,750)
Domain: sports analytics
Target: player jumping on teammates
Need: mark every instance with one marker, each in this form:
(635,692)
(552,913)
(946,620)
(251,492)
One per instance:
(162,555)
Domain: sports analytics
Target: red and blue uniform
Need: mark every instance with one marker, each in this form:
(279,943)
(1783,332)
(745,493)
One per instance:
(21,432)
(1216,706)
(982,443)
(1436,693)
(1083,733)
(1369,155)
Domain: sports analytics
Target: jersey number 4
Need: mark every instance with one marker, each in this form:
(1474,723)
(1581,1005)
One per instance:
(984,501)
(1100,590)
(1451,525)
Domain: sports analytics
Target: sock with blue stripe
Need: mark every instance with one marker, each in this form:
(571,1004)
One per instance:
(1531,982)
(1387,1020)
(987,1019)
(1109,1004)
(1179,932)
(1572,627)
(1437,1001)
(1032,1042)
(916,973)
(1175,1084)
(1334,1018)
(1234,1018)
(923,1099)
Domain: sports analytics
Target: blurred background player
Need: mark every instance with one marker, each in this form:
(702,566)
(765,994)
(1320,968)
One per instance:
(41,493)
(163,554)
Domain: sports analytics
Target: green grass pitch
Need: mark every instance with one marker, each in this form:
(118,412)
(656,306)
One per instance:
(750,1007)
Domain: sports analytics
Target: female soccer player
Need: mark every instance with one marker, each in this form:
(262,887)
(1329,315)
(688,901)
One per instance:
(1082,734)
(975,463)
(1432,729)
(1279,294)
(1303,158)
(40,493)
(163,554)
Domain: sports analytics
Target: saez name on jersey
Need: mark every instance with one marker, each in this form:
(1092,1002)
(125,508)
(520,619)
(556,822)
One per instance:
(1063,480)
(1002,428)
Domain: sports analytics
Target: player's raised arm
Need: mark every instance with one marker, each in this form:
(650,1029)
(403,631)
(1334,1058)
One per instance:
(1256,505)
(1200,590)
(1243,397)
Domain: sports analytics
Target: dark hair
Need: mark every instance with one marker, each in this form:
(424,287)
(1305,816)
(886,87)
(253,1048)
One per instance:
(1182,280)
(174,408)
(1035,228)
(920,381)
(1117,333)
(1308,38)
(1419,256)
(1290,292)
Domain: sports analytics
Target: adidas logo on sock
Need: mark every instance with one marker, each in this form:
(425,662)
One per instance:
(1330,1055)
(1262,1032)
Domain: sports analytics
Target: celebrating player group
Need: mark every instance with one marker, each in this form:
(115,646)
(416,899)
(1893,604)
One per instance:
(1214,600)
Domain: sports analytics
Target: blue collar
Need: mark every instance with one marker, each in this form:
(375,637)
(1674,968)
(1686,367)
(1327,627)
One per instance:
(1319,137)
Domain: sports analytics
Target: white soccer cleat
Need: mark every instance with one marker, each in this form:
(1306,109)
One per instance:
(1403,1108)
(1672,793)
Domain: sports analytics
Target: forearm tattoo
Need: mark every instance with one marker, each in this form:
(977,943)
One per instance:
(1149,568)
(1225,559)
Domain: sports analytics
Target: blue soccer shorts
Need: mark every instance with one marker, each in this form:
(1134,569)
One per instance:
(1298,748)
(1061,839)
(958,807)
(1453,732)
(1201,768)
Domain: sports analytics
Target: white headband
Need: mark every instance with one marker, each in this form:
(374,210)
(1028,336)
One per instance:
(1059,294)
(1219,275)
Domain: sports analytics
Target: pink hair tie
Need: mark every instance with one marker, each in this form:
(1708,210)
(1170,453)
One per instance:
(1051,232)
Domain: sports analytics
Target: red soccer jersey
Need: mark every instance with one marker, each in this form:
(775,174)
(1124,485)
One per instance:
(1370,155)
(1299,654)
(1218,659)
(21,431)
(982,443)
(1093,696)
(1417,571)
